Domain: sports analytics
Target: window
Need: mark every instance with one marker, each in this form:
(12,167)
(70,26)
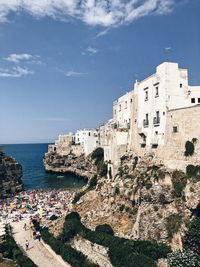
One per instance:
(193,100)
(181,85)
(89,133)
(164,113)
(157,92)
(198,100)
(156,120)
(146,121)
(125,104)
(120,107)
(131,100)
(175,129)
(146,95)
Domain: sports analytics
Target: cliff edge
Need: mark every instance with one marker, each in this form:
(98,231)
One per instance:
(10,176)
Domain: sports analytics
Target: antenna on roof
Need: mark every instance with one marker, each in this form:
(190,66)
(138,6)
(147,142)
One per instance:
(167,50)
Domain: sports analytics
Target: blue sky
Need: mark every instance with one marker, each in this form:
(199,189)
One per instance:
(63,63)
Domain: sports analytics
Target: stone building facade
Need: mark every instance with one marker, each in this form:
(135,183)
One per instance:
(82,142)
(162,112)
(158,116)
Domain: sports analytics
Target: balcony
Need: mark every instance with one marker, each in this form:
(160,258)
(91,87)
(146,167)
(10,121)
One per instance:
(154,141)
(156,121)
(145,123)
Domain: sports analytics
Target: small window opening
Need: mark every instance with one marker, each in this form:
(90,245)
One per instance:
(175,129)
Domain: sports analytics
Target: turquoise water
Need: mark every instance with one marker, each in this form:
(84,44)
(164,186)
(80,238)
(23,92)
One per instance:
(30,156)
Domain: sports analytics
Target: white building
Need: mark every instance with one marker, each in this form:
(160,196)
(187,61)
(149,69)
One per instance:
(88,138)
(165,90)
(62,144)
(122,110)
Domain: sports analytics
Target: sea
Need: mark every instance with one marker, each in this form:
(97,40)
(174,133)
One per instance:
(30,156)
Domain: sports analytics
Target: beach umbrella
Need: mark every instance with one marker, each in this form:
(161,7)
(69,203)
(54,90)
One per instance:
(30,211)
(32,196)
(40,212)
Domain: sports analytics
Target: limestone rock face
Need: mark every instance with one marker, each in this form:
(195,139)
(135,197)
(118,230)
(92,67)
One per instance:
(79,165)
(10,176)
(140,202)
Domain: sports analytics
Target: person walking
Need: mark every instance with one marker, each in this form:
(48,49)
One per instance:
(24,226)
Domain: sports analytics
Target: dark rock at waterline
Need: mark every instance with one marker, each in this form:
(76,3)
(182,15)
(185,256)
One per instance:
(81,166)
(10,176)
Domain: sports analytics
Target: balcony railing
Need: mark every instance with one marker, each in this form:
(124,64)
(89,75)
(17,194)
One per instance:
(156,120)
(145,123)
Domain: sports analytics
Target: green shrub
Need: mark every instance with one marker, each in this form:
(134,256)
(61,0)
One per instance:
(183,258)
(72,226)
(130,176)
(122,252)
(13,252)
(121,208)
(192,237)
(193,171)
(162,199)
(189,148)
(179,180)
(117,191)
(135,162)
(92,182)
(102,169)
(151,249)
(123,158)
(105,228)
(173,224)
(98,155)
(73,216)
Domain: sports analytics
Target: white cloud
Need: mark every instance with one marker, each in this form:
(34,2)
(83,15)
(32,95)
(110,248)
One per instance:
(90,50)
(72,73)
(17,58)
(102,33)
(105,13)
(15,72)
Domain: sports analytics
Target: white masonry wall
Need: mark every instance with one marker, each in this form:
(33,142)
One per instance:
(89,138)
(165,90)
(122,110)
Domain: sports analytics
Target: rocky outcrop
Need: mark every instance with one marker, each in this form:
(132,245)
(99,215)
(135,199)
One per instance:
(79,165)
(10,176)
(143,201)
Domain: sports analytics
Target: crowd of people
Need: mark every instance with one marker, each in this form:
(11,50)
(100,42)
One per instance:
(49,205)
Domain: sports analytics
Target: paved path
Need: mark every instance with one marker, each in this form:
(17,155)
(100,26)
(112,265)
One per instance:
(40,254)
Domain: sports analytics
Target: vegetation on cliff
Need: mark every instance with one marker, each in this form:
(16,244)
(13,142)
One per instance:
(10,250)
(122,252)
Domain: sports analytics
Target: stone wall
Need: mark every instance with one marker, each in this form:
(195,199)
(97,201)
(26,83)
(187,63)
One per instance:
(95,253)
(172,152)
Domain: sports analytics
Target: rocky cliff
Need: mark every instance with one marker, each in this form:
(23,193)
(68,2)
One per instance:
(144,201)
(79,165)
(10,176)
